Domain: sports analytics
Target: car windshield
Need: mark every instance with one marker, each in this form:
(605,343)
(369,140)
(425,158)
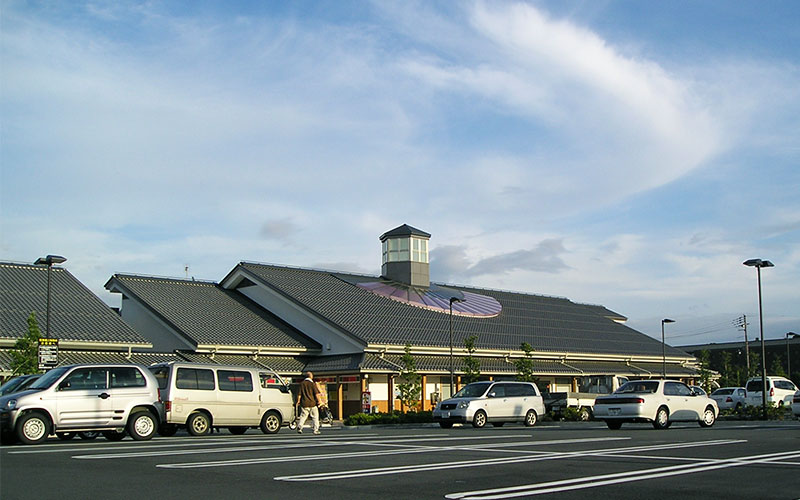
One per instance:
(11,385)
(49,378)
(722,392)
(472,390)
(641,387)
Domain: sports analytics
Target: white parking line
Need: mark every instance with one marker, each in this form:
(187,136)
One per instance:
(408,449)
(348,474)
(291,443)
(617,478)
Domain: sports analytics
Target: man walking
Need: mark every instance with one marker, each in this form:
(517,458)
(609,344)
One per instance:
(307,398)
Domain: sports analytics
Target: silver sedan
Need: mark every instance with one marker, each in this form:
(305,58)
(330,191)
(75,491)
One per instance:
(730,398)
(659,402)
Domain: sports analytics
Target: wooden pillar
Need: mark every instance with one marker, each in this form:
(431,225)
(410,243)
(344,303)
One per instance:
(340,397)
(424,396)
(458,384)
(574,384)
(390,394)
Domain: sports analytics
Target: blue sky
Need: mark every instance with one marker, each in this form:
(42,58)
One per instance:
(631,154)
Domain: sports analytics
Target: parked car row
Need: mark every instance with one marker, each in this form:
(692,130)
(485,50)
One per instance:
(119,400)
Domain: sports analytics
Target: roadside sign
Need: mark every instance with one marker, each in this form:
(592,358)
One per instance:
(48,353)
(366,402)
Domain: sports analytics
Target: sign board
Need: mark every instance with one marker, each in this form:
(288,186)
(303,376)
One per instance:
(344,379)
(366,402)
(48,353)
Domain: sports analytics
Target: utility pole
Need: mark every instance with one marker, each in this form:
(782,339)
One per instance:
(741,322)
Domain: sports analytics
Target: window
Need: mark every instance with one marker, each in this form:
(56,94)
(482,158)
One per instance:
(85,379)
(162,375)
(676,389)
(419,251)
(405,249)
(498,391)
(127,376)
(192,378)
(230,380)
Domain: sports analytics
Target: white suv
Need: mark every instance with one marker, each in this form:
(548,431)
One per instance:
(492,402)
(113,399)
(779,391)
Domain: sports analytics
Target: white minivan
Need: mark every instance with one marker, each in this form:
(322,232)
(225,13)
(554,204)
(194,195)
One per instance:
(203,396)
(779,391)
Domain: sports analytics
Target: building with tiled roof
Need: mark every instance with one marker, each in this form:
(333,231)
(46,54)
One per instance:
(350,329)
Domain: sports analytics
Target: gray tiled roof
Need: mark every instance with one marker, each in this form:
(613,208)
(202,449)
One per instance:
(76,313)
(291,365)
(548,324)
(208,314)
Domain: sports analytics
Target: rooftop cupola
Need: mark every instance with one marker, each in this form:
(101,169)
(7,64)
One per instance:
(405,256)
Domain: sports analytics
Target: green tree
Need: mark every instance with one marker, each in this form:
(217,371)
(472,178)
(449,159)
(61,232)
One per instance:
(25,355)
(524,365)
(410,389)
(472,365)
(777,367)
(705,371)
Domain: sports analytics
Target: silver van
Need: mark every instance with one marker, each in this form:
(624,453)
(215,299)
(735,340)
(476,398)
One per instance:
(493,402)
(201,397)
(113,399)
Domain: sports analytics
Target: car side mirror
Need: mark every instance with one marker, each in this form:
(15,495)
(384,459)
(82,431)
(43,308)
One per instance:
(492,394)
(64,385)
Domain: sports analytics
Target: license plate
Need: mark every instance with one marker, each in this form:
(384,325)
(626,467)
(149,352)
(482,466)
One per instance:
(614,411)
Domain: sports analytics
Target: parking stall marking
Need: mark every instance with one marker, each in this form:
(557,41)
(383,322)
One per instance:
(406,449)
(314,442)
(620,477)
(534,457)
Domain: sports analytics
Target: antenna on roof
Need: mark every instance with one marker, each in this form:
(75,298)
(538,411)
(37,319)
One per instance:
(186,270)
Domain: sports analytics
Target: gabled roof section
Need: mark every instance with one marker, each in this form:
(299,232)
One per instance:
(548,324)
(208,314)
(78,317)
(404,230)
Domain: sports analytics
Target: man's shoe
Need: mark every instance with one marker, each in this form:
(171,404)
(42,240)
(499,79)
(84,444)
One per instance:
(317,432)
(299,431)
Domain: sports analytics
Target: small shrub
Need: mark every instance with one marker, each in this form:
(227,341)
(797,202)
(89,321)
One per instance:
(395,417)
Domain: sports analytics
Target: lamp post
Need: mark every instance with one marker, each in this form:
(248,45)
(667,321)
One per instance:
(49,261)
(758,264)
(664,348)
(788,354)
(452,371)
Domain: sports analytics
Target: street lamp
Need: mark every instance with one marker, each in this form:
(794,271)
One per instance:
(452,371)
(758,264)
(664,348)
(788,354)
(49,261)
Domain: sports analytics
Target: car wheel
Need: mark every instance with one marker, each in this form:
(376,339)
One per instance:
(167,430)
(446,425)
(531,418)
(33,428)
(237,430)
(114,435)
(198,424)
(614,425)
(142,425)
(479,420)
(584,414)
(88,435)
(662,418)
(271,422)
(65,436)
(738,407)
(708,418)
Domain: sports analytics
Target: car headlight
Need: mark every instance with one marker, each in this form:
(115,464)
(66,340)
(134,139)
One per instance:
(11,404)
(463,404)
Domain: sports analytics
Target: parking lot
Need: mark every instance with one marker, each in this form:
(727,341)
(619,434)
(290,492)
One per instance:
(569,460)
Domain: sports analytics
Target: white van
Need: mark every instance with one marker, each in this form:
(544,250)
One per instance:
(202,397)
(779,391)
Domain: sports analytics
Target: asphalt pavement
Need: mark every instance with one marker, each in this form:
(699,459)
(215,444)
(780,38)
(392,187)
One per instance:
(747,460)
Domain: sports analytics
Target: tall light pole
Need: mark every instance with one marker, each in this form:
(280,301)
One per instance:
(758,264)
(49,261)
(664,348)
(452,371)
(788,355)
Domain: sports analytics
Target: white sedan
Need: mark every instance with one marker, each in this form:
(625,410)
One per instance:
(660,402)
(730,398)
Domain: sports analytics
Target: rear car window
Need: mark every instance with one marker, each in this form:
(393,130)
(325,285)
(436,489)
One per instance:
(126,376)
(193,378)
(723,392)
(754,386)
(162,375)
(230,380)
